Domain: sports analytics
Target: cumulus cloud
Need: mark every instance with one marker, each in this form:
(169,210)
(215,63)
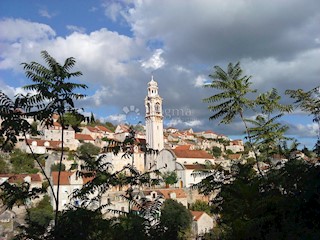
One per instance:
(188,39)
(200,81)
(155,61)
(116,119)
(112,10)
(19,29)
(304,130)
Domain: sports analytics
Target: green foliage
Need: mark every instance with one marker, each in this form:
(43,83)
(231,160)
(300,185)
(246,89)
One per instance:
(267,134)
(56,167)
(232,100)
(81,223)
(34,129)
(170,177)
(130,226)
(110,126)
(41,214)
(216,151)
(280,206)
(229,151)
(269,102)
(309,102)
(306,152)
(17,194)
(200,205)
(37,221)
(4,166)
(88,149)
(22,162)
(72,119)
(174,219)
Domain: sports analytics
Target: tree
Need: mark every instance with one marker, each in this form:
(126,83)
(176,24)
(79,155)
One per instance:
(58,167)
(309,102)
(170,177)
(175,219)
(263,208)
(88,149)
(232,100)
(4,167)
(22,162)
(54,94)
(38,219)
(74,224)
(110,126)
(216,151)
(200,205)
(267,134)
(72,119)
(270,101)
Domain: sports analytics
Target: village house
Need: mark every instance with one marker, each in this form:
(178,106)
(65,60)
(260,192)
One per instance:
(33,179)
(182,161)
(69,181)
(7,219)
(202,223)
(235,146)
(39,146)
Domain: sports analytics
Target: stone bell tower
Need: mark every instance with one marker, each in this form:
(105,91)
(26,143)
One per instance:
(154,117)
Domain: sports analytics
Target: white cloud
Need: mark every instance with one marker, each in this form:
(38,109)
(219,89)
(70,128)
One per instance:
(76,28)
(193,123)
(181,123)
(19,29)
(155,61)
(98,98)
(118,118)
(112,10)
(46,14)
(304,130)
(200,81)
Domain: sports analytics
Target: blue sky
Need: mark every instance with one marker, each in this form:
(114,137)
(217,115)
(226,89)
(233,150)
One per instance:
(118,45)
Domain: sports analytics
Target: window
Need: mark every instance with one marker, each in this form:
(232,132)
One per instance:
(157,107)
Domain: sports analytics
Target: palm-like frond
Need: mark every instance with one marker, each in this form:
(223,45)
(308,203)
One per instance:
(16,195)
(232,98)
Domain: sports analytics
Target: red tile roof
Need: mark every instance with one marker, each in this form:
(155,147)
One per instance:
(209,131)
(166,193)
(183,147)
(192,154)
(92,129)
(195,166)
(65,178)
(196,215)
(40,142)
(15,178)
(104,129)
(81,136)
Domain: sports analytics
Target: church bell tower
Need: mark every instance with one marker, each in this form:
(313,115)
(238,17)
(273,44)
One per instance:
(154,117)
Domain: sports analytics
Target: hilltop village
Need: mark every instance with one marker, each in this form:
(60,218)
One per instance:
(184,152)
